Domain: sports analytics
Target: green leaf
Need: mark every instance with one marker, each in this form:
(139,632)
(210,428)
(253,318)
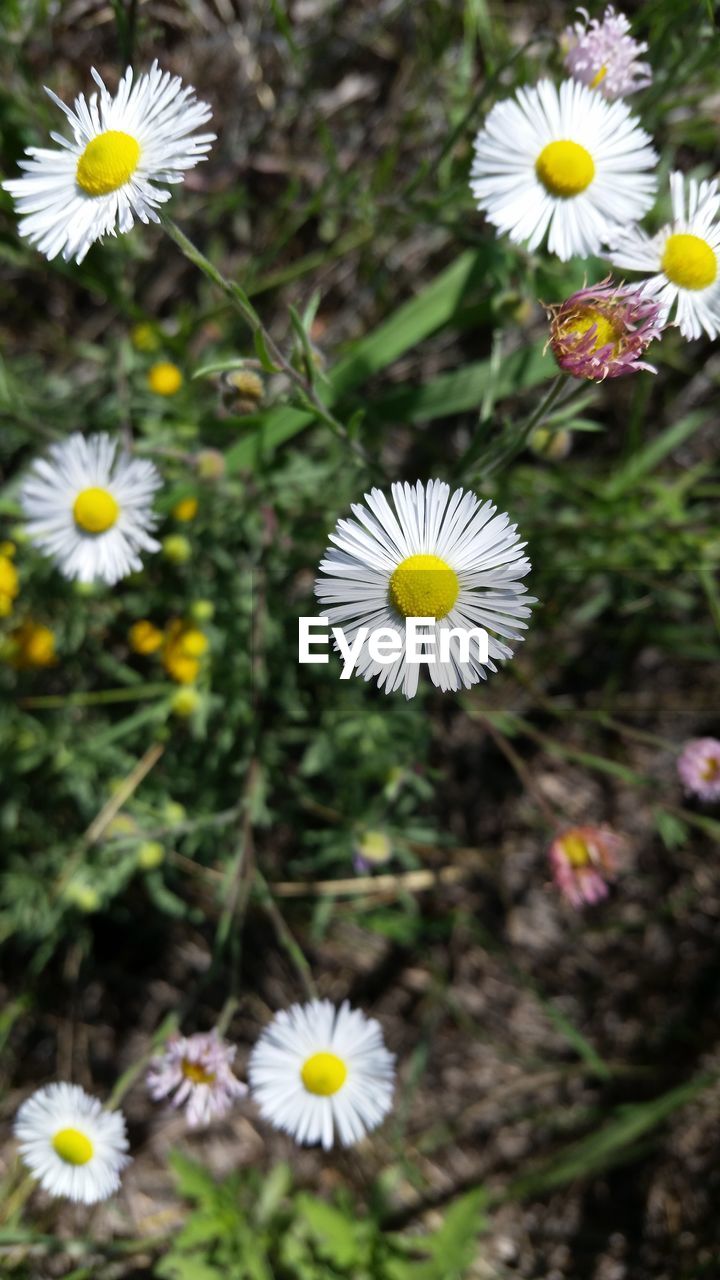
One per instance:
(645,460)
(263,354)
(332,1231)
(192,1179)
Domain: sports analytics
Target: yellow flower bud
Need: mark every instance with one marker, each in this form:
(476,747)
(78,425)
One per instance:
(185,702)
(150,855)
(164,378)
(176,548)
(186,509)
(144,637)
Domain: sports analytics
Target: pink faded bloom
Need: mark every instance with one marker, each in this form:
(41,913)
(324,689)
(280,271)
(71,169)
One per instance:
(195,1070)
(601,331)
(699,768)
(583,860)
(602,55)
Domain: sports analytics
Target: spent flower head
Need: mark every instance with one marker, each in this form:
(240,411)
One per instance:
(699,768)
(603,330)
(583,861)
(601,54)
(195,1072)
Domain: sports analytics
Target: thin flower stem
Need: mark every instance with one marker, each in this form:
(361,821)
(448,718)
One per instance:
(239,299)
(506,451)
(284,936)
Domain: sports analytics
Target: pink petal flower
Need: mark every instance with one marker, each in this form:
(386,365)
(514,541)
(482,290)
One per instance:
(583,861)
(194,1072)
(699,768)
(601,331)
(603,56)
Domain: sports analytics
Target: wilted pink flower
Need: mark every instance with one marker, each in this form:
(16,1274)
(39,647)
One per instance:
(601,331)
(699,768)
(602,55)
(196,1070)
(583,861)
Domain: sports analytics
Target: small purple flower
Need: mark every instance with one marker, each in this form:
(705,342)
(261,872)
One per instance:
(603,56)
(195,1070)
(583,860)
(699,768)
(601,331)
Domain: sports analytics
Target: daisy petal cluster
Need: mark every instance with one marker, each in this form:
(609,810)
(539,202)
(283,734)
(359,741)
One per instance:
(432,553)
(195,1072)
(70,1143)
(322,1074)
(88,507)
(104,178)
(583,861)
(602,54)
(562,163)
(602,331)
(683,259)
(699,768)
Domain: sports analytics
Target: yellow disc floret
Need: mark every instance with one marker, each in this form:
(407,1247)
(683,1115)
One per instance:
(689,261)
(195,1073)
(424,586)
(95,510)
(323,1074)
(575,850)
(598,77)
(565,168)
(72,1146)
(710,769)
(582,321)
(108,162)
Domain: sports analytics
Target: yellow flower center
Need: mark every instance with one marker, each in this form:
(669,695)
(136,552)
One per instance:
(193,1071)
(424,587)
(8,577)
(689,261)
(95,510)
(72,1146)
(580,324)
(375,846)
(324,1074)
(107,162)
(711,769)
(598,77)
(565,168)
(576,851)
(165,379)
(186,509)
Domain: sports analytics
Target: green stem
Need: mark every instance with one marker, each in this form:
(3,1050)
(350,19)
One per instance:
(241,302)
(505,451)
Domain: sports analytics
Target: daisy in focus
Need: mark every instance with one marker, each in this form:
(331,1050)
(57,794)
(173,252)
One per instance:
(562,163)
(122,146)
(430,554)
(699,768)
(70,1143)
(583,861)
(322,1074)
(601,332)
(195,1072)
(87,506)
(603,55)
(682,258)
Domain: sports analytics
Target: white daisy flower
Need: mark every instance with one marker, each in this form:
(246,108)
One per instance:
(88,508)
(72,1145)
(322,1074)
(563,162)
(436,555)
(684,257)
(100,182)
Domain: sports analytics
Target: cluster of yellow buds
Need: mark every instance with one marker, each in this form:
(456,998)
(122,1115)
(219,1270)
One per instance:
(181,645)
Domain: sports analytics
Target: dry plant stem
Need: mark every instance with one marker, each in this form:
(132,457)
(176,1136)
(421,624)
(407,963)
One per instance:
(552,819)
(243,305)
(404,882)
(100,823)
(285,937)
